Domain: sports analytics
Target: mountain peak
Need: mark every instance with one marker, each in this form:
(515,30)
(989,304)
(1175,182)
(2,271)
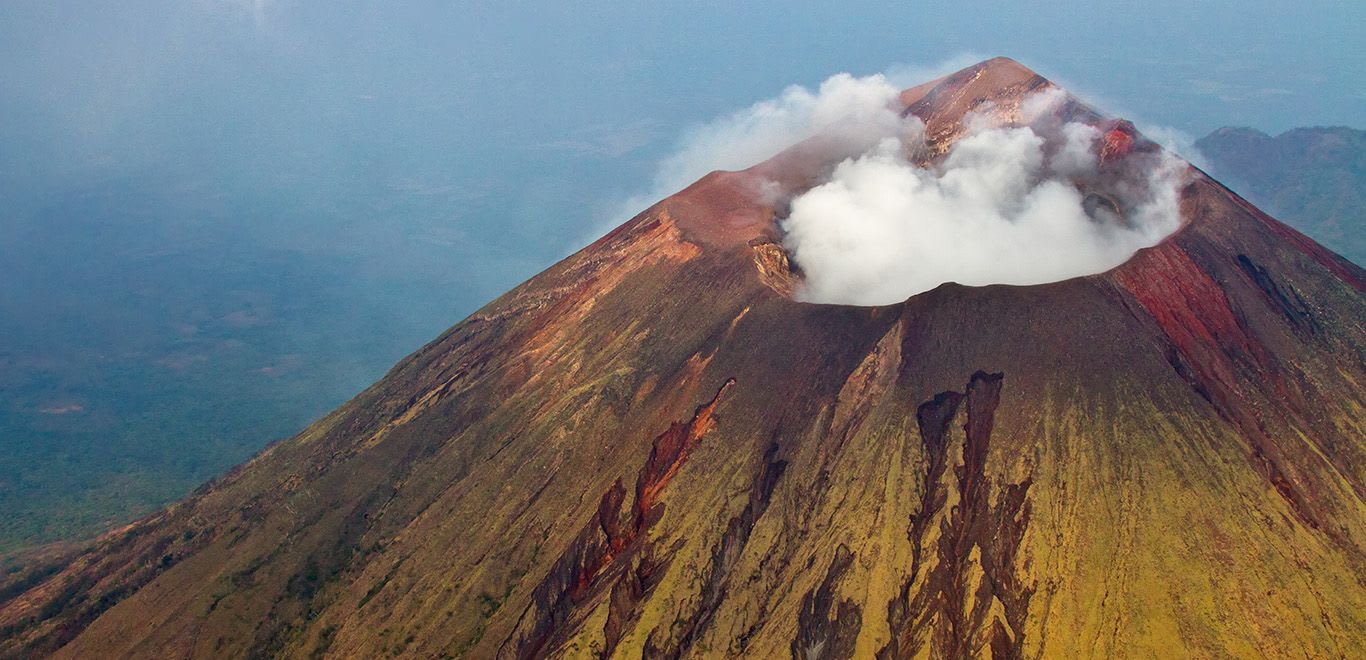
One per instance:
(999,70)
(723,208)
(993,78)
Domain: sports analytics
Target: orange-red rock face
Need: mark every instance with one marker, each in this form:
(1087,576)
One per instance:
(1117,141)
(651,449)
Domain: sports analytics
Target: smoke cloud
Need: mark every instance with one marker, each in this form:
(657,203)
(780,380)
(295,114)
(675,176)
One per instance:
(1007,205)
(1026,203)
(859,110)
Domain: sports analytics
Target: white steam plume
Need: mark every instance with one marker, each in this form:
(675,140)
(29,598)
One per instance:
(862,110)
(1003,207)
(856,111)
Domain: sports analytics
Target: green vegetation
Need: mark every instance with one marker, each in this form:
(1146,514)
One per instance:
(101,426)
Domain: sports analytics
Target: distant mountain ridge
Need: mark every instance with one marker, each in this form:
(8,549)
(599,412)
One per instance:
(1314,179)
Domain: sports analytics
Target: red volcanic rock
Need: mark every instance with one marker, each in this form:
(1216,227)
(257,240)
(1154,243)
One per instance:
(669,452)
(999,83)
(1117,141)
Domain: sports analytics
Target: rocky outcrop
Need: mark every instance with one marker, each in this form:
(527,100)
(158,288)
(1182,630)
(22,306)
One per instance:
(969,596)
(606,550)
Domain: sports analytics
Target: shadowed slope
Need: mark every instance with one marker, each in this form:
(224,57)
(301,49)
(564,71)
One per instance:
(650,448)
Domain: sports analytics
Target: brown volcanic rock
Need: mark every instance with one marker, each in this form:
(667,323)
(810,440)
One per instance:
(650,448)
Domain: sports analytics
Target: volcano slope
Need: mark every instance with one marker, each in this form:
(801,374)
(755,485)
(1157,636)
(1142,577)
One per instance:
(652,449)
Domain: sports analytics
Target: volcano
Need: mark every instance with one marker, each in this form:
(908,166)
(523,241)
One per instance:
(654,448)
